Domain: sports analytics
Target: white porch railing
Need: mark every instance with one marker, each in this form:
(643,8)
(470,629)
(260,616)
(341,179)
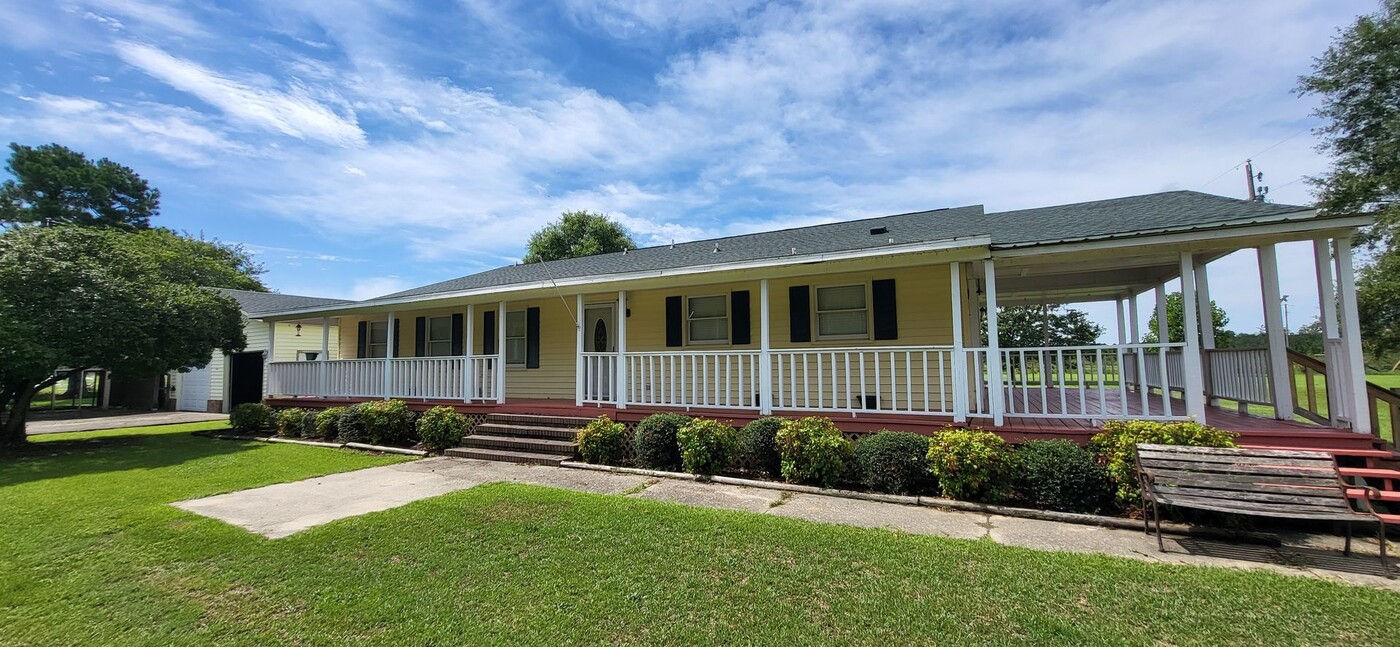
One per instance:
(720,379)
(1239,374)
(433,378)
(1092,382)
(483,384)
(296,378)
(897,379)
(599,378)
(350,378)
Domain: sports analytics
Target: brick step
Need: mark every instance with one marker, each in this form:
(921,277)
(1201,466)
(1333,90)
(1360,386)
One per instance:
(507,456)
(526,431)
(539,445)
(1383,495)
(1370,473)
(533,420)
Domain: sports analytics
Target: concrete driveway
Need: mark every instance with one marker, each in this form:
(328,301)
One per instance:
(44,423)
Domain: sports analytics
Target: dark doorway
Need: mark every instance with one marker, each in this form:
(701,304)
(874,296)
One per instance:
(245,371)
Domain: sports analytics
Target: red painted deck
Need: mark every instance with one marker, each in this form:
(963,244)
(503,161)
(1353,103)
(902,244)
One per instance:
(1253,430)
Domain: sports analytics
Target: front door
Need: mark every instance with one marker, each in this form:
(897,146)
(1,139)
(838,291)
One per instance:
(600,324)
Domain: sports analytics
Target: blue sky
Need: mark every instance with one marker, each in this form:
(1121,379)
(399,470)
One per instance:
(364,146)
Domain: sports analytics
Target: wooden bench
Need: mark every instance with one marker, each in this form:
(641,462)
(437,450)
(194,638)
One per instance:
(1258,482)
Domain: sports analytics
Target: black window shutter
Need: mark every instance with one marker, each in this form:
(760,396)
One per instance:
(420,337)
(488,332)
(675,317)
(457,333)
(739,317)
(362,343)
(886,313)
(800,312)
(532,338)
(398,335)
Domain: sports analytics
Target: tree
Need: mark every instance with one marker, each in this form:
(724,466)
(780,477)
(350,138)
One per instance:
(575,234)
(1176,326)
(1030,326)
(1358,82)
(55,185)
(1378,304)
(133,302)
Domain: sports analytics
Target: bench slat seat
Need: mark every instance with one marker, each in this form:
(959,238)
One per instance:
(1282,484)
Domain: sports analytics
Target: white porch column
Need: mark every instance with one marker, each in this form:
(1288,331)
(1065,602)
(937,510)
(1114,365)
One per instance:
(468,367)
(389,352)
(1359,406)
(961,396)
(1327,313)
(1280,379)
(1134,330)
(1193,375)
(995,396)
(1205,314)
(1163,337)
(578,351)
(325,353)
(1118,308)
(765,369)
(500,353)
(620,375)
(269,357)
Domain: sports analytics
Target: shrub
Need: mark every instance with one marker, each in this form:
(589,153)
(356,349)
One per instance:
(757,450)
(971,464)
(251,417)
(813,450)
(327,422)
(603,441)
(441,427)
(1060,475)
(293,422)
(707,446)
(1114,448)
(892,461)
(380,422)
(656,441)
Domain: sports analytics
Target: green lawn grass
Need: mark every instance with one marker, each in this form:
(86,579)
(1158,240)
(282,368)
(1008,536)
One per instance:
(92,554)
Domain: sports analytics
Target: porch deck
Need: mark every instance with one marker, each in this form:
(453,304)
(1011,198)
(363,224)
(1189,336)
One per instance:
(1254,430)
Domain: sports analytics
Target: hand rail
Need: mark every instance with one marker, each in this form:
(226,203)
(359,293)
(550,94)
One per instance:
(1378,398)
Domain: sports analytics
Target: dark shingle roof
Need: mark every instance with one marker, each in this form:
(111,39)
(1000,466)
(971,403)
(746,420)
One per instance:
(1101,219)
(254,304)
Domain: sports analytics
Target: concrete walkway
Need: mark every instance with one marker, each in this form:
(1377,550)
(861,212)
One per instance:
(96,420)
(281,510)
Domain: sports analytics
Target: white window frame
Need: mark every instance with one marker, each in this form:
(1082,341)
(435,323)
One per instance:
(428,340)
(689,340)
(817,312)
(370,344)
(524,336)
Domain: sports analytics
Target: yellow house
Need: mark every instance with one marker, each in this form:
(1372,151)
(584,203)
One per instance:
(876,322)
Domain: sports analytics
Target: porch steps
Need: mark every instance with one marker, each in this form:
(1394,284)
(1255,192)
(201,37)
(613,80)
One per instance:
(522,438)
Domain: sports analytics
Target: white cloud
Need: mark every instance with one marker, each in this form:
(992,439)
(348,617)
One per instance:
(176,134)
(293,112)
(377,286)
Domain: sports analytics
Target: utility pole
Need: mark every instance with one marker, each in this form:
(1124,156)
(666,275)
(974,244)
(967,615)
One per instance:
(1255,194)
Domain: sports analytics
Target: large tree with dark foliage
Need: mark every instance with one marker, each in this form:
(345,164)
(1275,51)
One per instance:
(575,234)
(54,185)
(1031,326)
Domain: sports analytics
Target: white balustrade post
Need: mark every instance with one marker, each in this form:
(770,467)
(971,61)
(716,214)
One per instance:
(1193,376)
(1163,337)
(500,353)
(996,397)
(1359,405)
(1281,379)
(389,352)
(960,392)
(469,372)
(765,367)
(578,351)
(620,386)
(1327,313)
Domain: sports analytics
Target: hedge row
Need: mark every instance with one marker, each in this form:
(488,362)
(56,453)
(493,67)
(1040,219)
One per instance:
(967,464)
(379,422)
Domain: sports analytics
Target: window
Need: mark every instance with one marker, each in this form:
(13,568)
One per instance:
(378,343)
(515,338)
(439,342)
(708,319)
(308,355)
(841,312)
